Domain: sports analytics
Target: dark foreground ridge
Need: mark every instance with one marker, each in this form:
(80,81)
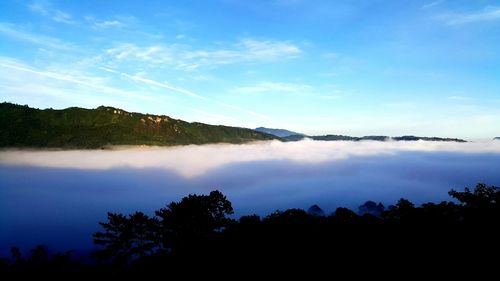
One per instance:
(196,236)
(23,126)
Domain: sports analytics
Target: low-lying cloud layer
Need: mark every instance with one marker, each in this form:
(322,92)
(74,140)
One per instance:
(196,160)
(57,197)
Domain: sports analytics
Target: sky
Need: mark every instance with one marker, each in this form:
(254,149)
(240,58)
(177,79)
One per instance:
(390,67)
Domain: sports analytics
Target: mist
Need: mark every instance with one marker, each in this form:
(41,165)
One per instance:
(57,197)
(197,160)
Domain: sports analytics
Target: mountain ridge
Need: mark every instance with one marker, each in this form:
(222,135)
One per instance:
(283,134)
(372,138)
(74,127)
(277,132)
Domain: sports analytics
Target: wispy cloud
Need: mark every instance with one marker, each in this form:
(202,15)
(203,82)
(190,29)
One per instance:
(267,50)
(109,23)
(212,118)
(460,98)
(431,4)
(18,33)
(39,8)
(487,14)
(155,54)
(117,21)
(186,58)
(21,74)
(264,87)
(180,36)
(63,17)
(44,8)
(161,85)
(253,113)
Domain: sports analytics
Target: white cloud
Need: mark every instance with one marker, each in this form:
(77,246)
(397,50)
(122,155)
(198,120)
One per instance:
(108,69)
(431,4)
(108,24)
(39,8)
(460,98)
(267,50)
(116,21)
(63,17)
(161,85)
(155,54)
(488,14)
(18,33)
(23,81)
(253,113)
(212,118)
(186,58)
(198,160)
(265,87)
(44,8)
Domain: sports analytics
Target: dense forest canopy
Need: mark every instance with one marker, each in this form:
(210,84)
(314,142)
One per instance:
(199,231)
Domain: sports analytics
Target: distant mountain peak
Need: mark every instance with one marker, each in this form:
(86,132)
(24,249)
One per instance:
(282,133)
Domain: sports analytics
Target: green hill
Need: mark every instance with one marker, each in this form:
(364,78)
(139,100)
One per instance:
(23,126)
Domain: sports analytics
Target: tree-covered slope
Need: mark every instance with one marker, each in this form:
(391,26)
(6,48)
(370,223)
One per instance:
(23,126)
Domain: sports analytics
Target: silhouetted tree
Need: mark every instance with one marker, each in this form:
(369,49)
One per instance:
(372,208)
(479,206)
(444,213)
(197,231)
(250,220)
(483,196)
(288,217)
(39,256)
(126,238)
(344,215)
(195,217)
(315,210)
(16,255)
(401,212)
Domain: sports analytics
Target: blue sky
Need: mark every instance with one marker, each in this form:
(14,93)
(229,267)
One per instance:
(340,67)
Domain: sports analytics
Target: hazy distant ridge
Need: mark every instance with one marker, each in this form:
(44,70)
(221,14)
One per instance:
(373,138)
(277,132)
(287,135)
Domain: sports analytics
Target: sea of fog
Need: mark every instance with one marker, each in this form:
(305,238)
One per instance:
(58,197)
